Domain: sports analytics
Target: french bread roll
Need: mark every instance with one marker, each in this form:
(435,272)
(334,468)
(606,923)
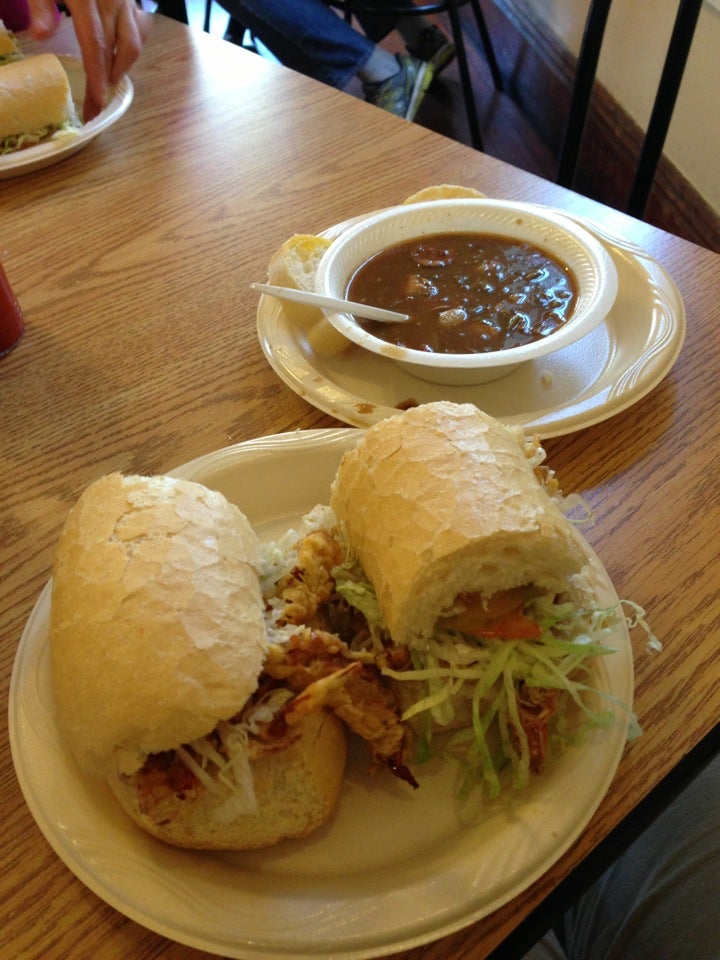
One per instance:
(9,49)
(294,264)
(441,502)
(35,98)
(157,629)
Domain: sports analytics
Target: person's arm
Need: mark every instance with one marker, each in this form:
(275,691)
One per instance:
(111,34)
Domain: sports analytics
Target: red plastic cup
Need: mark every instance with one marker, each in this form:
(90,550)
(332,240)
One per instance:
(11,318)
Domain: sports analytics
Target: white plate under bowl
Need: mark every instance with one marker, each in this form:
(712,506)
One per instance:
(393,869)
(612,368)
(42,155)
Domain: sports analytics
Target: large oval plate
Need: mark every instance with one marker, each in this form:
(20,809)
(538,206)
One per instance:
(393,869)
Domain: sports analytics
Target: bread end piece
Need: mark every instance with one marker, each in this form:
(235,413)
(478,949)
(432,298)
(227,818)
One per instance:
(294,264)
(296,787)
(9,49)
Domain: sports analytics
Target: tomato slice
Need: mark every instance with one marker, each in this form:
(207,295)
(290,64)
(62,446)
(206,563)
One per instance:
(514,626)
(499,616)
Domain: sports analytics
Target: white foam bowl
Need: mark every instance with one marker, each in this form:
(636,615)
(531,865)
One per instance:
(590,263)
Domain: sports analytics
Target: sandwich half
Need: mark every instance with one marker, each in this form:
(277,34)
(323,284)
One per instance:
(158,640)
(475,586)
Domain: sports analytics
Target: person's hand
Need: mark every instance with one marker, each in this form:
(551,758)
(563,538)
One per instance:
(111,34)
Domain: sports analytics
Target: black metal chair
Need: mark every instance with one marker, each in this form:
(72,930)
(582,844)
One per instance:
(675,60)
(351,8)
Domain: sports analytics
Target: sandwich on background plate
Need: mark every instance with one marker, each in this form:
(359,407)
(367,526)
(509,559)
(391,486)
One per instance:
(35,102)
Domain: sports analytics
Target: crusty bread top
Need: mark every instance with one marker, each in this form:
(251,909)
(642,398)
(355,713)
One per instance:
(157,627)
(441,500)
(34,93)
(294,263)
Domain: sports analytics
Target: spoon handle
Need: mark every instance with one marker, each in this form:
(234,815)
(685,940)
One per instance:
(330,303)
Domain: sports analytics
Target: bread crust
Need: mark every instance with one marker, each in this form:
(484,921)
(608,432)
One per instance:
(34,93)
(296,787)
(157,629)
(444,191)
(294,264)
(441,500)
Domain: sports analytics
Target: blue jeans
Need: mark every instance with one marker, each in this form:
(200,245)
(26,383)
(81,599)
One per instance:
(307,36)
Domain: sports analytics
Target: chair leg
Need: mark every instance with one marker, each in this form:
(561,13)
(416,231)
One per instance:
(671,77)
(206,20)
(582,91)
(487,44)
(465,80)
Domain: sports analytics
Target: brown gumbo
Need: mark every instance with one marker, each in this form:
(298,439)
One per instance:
(465,292)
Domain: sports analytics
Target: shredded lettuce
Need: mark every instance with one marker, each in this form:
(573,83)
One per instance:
(469,685)
(226,767)
(67,130)
(278,557)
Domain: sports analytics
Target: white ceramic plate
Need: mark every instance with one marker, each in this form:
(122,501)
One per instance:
(53,151)
(607,371)
(395,868)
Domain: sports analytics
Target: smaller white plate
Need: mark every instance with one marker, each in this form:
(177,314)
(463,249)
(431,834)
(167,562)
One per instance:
(601,375)
(53,151)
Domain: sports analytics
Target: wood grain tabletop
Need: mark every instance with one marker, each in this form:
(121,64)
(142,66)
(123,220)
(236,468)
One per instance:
(132,261)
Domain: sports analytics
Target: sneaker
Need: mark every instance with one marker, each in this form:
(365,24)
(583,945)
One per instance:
(434,48)
(402,93)
(238,34)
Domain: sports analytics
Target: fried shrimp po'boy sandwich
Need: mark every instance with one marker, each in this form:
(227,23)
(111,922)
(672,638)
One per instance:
(159,648)
(469,589)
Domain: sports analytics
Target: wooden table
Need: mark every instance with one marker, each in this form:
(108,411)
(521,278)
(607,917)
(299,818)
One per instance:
(132,262)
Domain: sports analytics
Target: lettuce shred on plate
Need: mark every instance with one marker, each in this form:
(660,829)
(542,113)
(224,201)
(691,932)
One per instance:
(498,708)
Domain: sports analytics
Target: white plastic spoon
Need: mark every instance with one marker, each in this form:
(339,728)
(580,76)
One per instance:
(330,303)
